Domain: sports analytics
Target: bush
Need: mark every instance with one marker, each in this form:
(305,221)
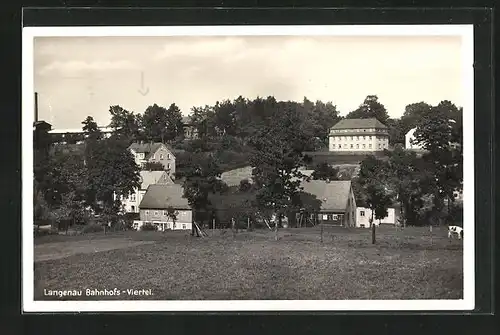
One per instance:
(44,232)
(92,228)
(149,227)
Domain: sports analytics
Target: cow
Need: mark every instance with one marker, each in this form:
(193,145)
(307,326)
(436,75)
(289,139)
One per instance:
(456,231)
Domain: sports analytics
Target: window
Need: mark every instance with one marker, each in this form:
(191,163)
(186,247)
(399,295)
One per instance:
(168,156)
(132,208)
(340,146)
(364,138)
(165,213)
(364,129)
(370,137)
(351,146)
(183,226)
(333,146)
(357,138)
(154,157)
(364,146)
(330,217)
(335,217)
(361,213)
(156,213)
(168,166)
(357,146)
(161,156)
(147,212)
(325,217)
(369,146)
(132,197)
(379,145)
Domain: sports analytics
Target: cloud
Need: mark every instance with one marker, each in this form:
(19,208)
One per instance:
(201,48)
(77,67)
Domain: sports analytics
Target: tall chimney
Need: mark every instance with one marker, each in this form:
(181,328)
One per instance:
(36,106)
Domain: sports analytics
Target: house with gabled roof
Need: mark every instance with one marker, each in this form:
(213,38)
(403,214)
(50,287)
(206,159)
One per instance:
(337,203)
(131,202)
(157,201)
(358,135)
(154,152)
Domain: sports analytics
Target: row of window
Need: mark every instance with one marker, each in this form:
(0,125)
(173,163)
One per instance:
(141,156)
(358,130)
(156,213)
(357,138)
(380,146)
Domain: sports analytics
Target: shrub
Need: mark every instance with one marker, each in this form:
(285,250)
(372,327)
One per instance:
(92,228)
(44,232)
(149,227)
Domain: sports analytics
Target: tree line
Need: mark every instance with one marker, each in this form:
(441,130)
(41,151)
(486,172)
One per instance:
(272,136)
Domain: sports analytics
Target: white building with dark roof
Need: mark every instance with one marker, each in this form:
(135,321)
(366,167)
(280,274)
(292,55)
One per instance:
(147,178)
(154,153)
(157,201)
(358,135)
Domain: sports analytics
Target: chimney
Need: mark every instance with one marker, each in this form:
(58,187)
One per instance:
(36,106)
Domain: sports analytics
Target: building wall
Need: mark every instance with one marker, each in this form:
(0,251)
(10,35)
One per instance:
(363,216)
(162,155)
(370,140)
(184,217)
(409,137)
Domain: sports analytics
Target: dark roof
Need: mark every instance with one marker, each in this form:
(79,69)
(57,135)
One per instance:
(359,123)
(163,196)
(148,148)
(154,177)
(333,194)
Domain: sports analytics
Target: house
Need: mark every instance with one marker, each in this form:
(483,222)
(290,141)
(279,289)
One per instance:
(357,135)
(156,202)
(154,152)
(410,140)
(337,202)
(131,203)
(190,131)
(363,216)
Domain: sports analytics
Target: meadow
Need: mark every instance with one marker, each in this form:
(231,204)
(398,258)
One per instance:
(410,263)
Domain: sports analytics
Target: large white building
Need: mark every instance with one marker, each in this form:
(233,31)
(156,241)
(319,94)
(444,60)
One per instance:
(351,135)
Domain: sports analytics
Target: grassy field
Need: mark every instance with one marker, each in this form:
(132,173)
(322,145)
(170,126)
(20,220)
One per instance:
(406,264)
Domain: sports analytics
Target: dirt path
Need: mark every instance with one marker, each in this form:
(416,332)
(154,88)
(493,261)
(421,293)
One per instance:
(49,251)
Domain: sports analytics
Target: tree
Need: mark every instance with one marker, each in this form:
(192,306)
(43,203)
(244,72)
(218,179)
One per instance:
(278,151)
(201,175)
(172,214)
(162,124)
(91,130)
(125,123)
(409,179)
(323,171)
(440,134)
(245,185)
(370,108)
(112,171)
(373,179)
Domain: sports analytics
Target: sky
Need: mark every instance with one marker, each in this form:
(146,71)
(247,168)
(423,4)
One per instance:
(80,76)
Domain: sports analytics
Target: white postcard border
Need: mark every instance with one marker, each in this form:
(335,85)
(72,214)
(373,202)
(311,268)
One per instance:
(30,305)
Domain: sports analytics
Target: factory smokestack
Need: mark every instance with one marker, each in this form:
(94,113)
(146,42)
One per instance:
(36,106)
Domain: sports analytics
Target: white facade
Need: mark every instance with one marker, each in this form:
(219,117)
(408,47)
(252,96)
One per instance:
(409,138)
(163,222)
(363,216)
(358,140)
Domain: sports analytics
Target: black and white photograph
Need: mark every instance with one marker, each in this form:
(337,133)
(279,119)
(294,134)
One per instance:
(248,168)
